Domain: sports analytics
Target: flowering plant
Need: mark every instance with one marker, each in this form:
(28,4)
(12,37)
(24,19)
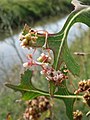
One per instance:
(54,69)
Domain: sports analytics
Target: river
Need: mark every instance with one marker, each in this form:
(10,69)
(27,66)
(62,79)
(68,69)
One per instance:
(9,56)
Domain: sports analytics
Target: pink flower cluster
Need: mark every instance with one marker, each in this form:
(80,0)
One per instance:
(55,76)
(45,60)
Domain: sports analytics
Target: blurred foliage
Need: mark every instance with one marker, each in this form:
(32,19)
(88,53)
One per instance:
(82,45)
(16,13)
(19,12)
(8,105)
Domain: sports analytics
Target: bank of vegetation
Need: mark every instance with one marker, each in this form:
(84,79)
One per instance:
(19,12)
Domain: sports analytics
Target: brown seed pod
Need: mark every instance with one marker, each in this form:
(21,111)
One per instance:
(83,86)
(87,97)
(36,107)
(77,115)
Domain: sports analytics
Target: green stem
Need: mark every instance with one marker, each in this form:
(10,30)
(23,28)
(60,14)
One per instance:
(57,96)
(43,92)
(69,96)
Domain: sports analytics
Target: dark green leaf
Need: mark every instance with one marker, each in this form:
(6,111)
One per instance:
(79,15)
(70,62)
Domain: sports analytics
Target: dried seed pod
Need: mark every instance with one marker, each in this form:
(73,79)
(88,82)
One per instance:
(35,108)
(83,86)
(34,102)
(77,115)
(87,97)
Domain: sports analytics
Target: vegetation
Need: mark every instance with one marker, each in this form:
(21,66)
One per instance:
(8,104)
(15,13)
(82,53)
(18,12)
(54,70)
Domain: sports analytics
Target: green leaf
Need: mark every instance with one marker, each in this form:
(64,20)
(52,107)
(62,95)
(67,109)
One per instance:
(25,87)
(70,62)
(29,92)
(57,42)
(79,15)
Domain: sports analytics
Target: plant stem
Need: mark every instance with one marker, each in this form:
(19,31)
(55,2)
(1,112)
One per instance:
(16,88)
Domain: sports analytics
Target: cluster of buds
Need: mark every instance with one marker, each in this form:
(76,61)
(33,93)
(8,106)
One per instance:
(87,97)
(45,61)
(83,86)
(36,107)
(31,62)
(55,76)
(77,115)
(28,37)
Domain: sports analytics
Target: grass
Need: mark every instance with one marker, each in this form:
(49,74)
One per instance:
(19,12)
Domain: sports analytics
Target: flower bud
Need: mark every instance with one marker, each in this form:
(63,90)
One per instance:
(44,58)
(25,64)
(28,36)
